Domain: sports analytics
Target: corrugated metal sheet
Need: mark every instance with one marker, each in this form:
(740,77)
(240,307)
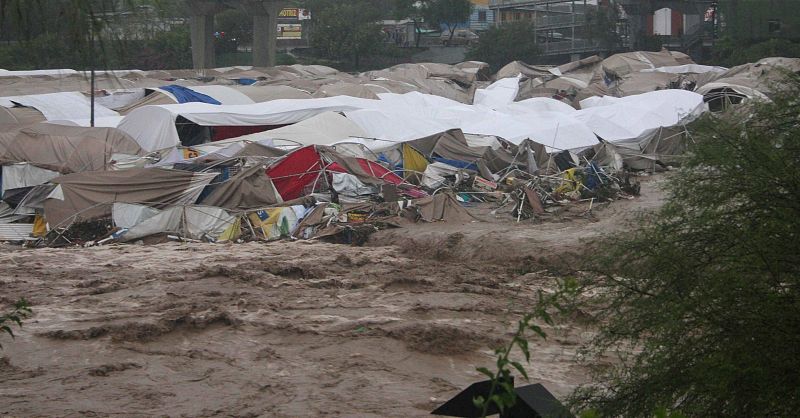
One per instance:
(15,232)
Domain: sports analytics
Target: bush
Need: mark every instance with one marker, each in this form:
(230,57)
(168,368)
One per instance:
(730,53)
(510,42)
(703,300)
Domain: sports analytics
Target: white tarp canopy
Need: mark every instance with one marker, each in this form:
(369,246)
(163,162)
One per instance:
(59,106)
(104,122)
(38,73)
(686,69)
(635,116)
(16,176)
(403,117)
(323,129)
(153,127)
(395,127)
(499,94)
(540,104)
(555,130)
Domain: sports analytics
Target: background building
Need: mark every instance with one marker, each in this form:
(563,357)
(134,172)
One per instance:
(482,16)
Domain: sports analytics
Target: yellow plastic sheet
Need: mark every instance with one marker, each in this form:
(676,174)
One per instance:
(570,183)
(413,161)
(232,233)
(39,226)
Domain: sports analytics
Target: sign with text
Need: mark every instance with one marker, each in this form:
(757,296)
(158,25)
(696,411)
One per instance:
(290,31)
(294,13)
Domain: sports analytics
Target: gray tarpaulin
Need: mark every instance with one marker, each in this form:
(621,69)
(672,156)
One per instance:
(89,195)
(16,176)
(66,149)
(249,189)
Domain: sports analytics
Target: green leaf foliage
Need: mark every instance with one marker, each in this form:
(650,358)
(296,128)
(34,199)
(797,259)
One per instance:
(81,34)
(446,13)
(20,311)
(346,30)
(502,44)
(702,301)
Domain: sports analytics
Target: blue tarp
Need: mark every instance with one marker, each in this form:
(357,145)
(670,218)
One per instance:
(187,95)
(457,163)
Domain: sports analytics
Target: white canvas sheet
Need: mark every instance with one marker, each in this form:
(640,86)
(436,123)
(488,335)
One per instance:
(632,117)
(196,222)
(539,104)
(105,122)
(323,129)
(60,106)
(17,176)
(153,127)
(499,94)
(686,69)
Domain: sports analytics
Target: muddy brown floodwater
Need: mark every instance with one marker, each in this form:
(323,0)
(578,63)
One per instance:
(286,328)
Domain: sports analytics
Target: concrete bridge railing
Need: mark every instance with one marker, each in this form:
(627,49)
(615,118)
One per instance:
(265,27)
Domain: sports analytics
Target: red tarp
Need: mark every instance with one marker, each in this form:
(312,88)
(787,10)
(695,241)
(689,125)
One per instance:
(301,168)
(219,133)
(292,174)
(379,171)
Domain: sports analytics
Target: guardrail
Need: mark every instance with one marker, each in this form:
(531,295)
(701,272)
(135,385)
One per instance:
(550,21)
(524,3)
(566,47)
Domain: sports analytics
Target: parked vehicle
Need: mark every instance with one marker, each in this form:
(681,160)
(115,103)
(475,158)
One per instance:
(460,37)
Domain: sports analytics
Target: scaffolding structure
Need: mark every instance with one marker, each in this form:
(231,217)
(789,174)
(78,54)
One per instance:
(558,23)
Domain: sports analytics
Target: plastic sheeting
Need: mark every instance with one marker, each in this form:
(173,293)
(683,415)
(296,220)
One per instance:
(17,176)
(186,95)
(195,222)
(274,223)
(637,116)
(323,129)
(349,185)
(59,106)
(153,127)
(686,69)
(499,94)
(224,95)
(298,170)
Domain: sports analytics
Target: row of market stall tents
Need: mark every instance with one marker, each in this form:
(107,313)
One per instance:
(310,152)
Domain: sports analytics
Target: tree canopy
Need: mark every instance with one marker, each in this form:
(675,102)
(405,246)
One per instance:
(83,33)
(448,13)
(346,30)
(510,42)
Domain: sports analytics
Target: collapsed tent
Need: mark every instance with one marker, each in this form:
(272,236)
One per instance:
(250,188)
(66,149)
(302,171)
(747,82)
(193,222)
(413,142)
(89,195)
(633,117)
